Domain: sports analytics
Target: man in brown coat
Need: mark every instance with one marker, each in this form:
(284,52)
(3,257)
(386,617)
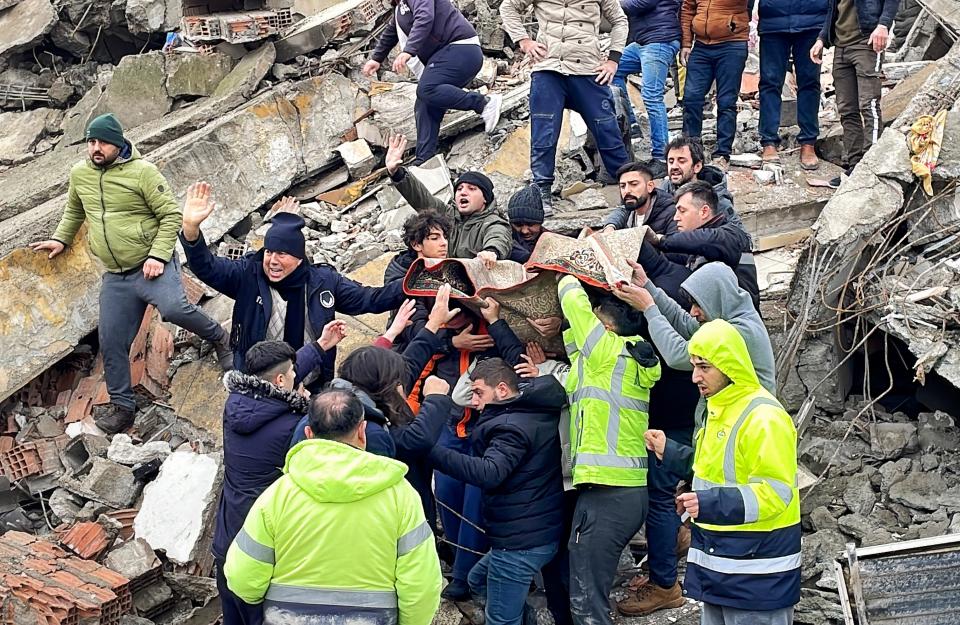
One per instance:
(714,48)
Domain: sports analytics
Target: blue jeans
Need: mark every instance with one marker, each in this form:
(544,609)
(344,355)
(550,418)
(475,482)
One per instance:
(775,52)
(466,500)
(663,523)
(441,87)
(551,93)
(654,61)
(723,63)
(501,580)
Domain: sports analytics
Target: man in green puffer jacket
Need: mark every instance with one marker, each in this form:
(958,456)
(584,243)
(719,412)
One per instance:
(341,536)
(133,221)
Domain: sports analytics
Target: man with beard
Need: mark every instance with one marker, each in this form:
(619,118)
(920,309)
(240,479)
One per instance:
(278,295)
(133,223)
(685,164)
(479,230)
(642,203)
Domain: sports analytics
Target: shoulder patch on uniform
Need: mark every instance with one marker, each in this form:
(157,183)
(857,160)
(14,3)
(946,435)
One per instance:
(326,299)
(160,188)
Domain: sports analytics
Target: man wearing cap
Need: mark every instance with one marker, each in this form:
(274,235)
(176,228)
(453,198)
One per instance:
(278,294)
(479,230)
(134,220)
(525,210)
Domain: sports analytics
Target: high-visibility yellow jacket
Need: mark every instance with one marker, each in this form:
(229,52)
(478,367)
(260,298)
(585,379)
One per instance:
(609,396)
(342,534)
(745,547)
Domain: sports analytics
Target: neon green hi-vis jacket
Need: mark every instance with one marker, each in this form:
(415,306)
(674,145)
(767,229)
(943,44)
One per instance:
(609,393)
(340,536)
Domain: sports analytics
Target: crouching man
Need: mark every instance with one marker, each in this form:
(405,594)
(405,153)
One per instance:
(744,558)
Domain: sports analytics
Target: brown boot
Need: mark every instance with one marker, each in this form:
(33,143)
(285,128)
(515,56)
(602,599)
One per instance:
(683,541)
(808,157)
(770,154)
(651,598)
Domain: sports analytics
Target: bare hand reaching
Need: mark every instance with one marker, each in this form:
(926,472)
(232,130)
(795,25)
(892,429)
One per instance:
(401,320)
(394,158)
(639,277)
(332,333)
(286,204)
(197,207)
(441,313)
(467,342)
(527,369)
(370,68)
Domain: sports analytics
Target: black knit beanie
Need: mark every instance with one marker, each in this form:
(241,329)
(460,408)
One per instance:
(526,205)
(478,180)
(286,235)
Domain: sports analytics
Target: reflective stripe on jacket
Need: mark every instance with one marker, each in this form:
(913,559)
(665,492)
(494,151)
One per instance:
(609,396)
(745,548)
(340,535)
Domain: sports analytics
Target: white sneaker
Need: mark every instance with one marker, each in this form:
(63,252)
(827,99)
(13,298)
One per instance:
(491,112)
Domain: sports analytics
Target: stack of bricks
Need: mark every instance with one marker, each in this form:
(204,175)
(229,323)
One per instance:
(33,458)
(40,583)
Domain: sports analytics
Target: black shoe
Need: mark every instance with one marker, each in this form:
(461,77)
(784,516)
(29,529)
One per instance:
(657,167)
(547,197)
(224,352)
(113,418)
(834,183)
(636,132)
(456,590)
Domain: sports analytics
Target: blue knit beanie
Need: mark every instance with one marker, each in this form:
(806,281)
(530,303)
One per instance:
(286,235)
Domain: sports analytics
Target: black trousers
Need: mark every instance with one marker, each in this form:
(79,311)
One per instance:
(235,610)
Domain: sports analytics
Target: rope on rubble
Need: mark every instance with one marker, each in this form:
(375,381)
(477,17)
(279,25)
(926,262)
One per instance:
(450,542)
(460,516)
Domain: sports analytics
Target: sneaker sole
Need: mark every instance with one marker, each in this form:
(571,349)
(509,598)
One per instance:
(665,606)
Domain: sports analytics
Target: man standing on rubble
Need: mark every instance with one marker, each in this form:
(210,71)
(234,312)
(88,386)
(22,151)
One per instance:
(720,29)
(133,224)
(859,29)
(479,230)
(654,42)
(278,294)
(744,559)
(641,202)
(442,49)
(788,29)
(341,537)
(570,71)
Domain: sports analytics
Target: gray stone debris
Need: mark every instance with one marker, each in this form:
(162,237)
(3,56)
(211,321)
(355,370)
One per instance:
(133,559)
(920,491)
(123,451)
(196,74)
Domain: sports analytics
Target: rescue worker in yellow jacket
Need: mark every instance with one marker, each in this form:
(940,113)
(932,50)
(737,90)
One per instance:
(611,373)
(744,559)
(341,537)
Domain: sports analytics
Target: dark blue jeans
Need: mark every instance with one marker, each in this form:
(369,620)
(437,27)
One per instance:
(775,52)
(501,581)
(663,523)
(450,69)
(723,63)
(551,93)
(466,500)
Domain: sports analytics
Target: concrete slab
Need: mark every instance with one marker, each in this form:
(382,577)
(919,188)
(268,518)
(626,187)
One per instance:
(24,24)
(202,409)
(136,93)
(196,74)
(179,505)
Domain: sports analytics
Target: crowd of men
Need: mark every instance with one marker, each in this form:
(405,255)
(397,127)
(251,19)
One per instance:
(526,467)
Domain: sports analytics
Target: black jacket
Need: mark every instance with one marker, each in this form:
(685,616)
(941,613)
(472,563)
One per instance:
(521,250)
(715,176)
(673,399)
(660,218)
(517,465)
(653,21)
(870,14)
(718,240)
(243,280)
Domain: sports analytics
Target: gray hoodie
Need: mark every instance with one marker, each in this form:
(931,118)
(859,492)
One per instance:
(714,288)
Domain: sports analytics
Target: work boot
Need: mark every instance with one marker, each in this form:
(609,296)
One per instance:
(651,598)
(683,541)
(546,195)
(113,418)
(224,352)
(491,111)
(808,157)
(722,162)
(657,167)
(456,590)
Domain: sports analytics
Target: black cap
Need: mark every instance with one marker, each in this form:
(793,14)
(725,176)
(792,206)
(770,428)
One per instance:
(478,180)
(286,235)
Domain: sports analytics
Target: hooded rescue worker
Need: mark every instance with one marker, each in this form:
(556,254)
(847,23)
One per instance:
(744,558)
